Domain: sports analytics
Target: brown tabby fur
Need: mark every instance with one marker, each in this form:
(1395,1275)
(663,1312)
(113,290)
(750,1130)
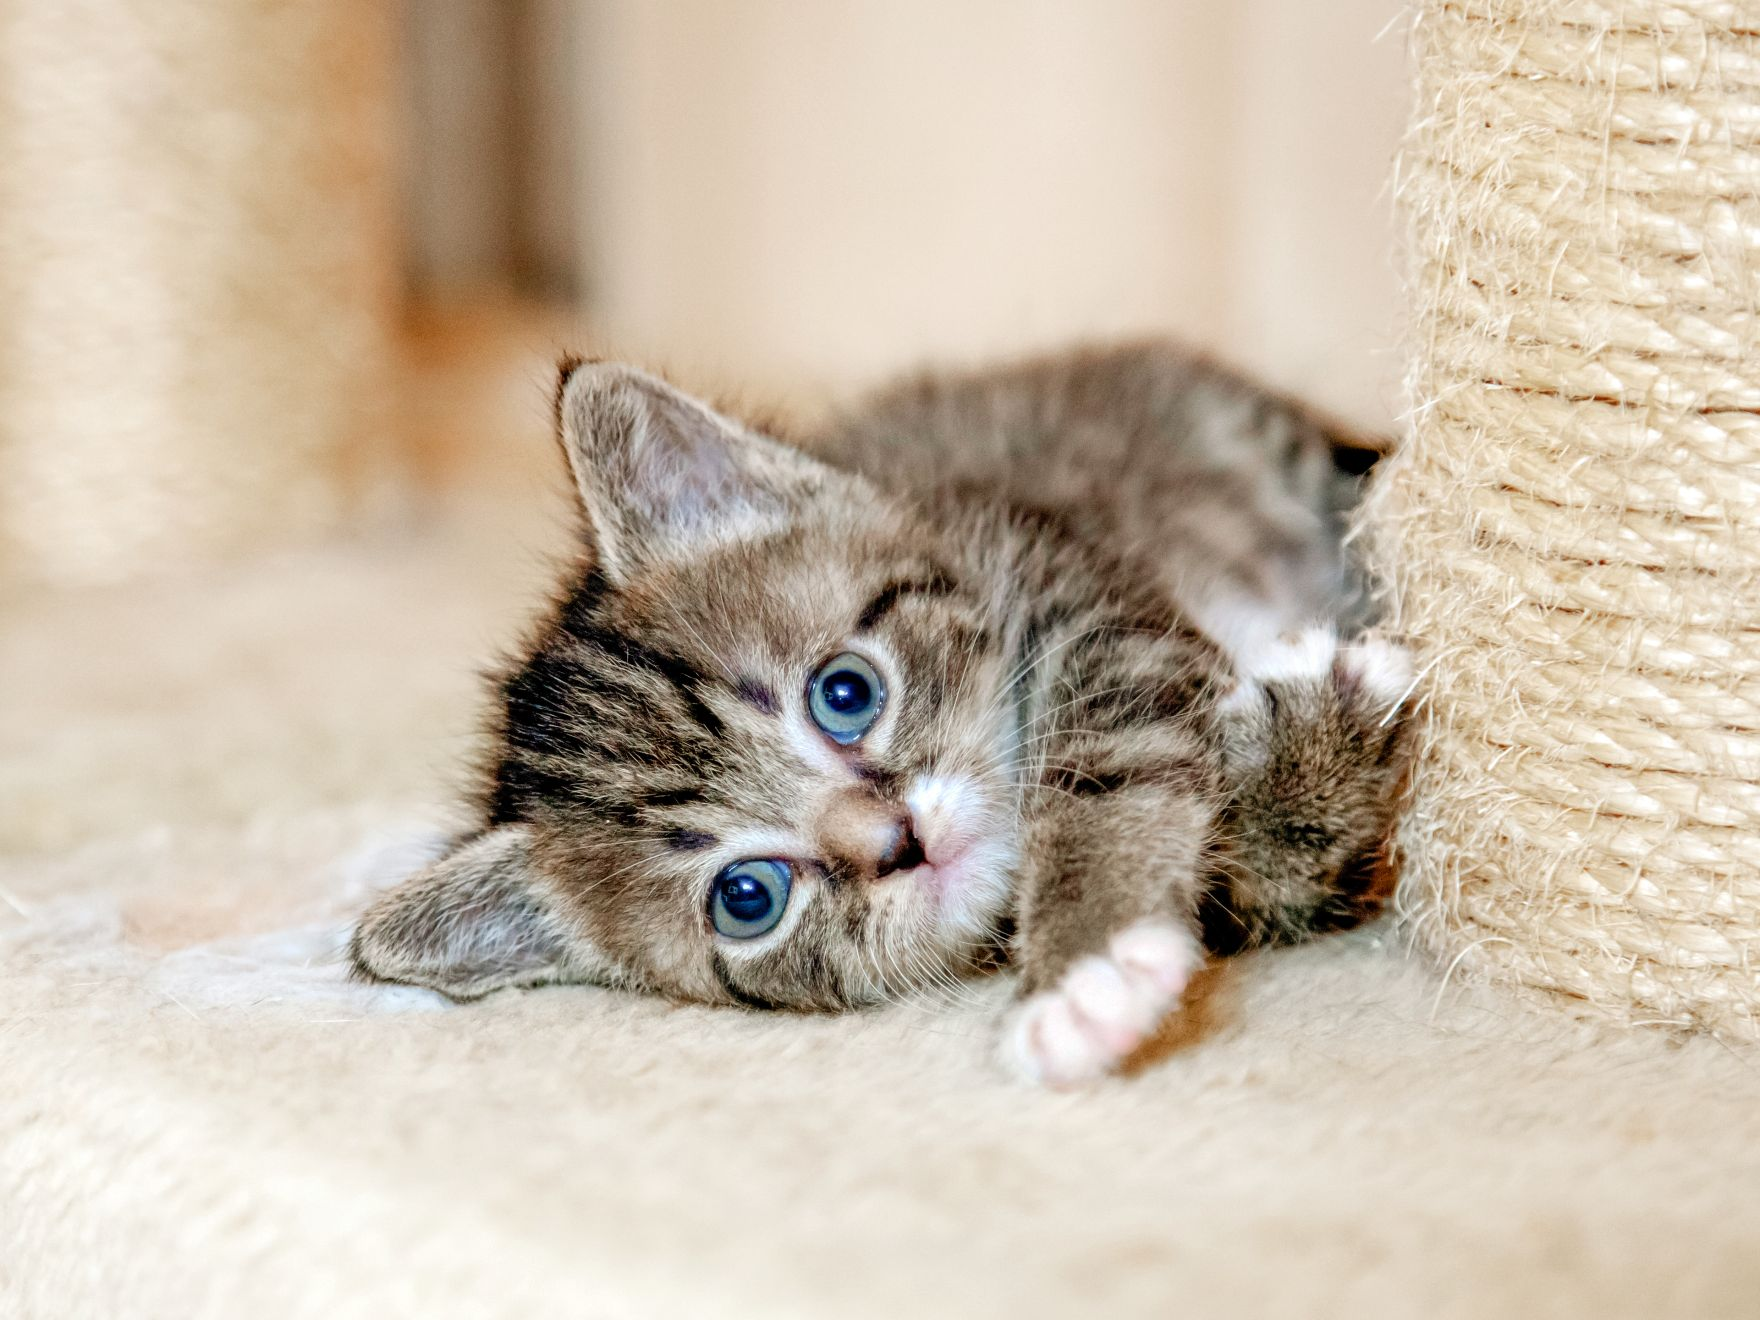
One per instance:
(1043,562)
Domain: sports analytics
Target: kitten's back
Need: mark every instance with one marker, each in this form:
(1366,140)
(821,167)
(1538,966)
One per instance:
(1236,496)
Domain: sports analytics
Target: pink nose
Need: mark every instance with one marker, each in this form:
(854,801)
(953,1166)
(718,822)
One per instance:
(869,837)
(902,851)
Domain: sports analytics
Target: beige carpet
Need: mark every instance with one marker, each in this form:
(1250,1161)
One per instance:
(200,1117)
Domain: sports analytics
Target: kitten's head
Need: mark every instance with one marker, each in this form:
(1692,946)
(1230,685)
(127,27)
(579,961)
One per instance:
(760,753)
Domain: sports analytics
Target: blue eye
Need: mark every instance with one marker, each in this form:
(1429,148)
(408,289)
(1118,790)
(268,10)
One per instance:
(845,697)
(748,898)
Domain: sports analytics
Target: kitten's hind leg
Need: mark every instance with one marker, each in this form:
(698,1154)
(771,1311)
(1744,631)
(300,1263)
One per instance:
(1313,752)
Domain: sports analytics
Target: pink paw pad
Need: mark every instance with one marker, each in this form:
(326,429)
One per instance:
(1164,954)
(1104,1007)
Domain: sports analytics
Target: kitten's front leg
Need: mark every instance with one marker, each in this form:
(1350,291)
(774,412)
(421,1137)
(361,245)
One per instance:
(1108,937)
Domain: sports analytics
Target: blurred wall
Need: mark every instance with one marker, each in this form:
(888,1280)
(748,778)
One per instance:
(799,195)
(802,195)
(492,149)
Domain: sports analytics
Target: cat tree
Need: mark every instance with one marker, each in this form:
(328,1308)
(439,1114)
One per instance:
(1573,528)
(197,277)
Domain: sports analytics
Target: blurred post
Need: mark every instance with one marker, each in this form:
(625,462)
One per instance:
(197,276)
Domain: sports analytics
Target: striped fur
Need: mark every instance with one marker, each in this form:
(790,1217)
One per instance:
(1063,570)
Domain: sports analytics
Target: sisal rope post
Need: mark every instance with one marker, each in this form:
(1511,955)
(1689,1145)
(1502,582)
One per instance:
(197,277)
(1571,533)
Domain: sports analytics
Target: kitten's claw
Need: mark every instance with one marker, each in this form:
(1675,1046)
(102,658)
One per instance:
(1104,1007)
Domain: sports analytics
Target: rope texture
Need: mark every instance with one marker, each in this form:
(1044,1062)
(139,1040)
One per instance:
(1571,533)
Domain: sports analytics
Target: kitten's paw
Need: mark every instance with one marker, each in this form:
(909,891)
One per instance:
(1104,1007)
(1299,658)
(1312,664)
(1378,670)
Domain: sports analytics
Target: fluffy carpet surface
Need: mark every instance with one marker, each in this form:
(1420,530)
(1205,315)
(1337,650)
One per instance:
(203,1117)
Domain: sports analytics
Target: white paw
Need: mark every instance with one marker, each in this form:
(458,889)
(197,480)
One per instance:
(1379,669)
(1298,657)
(1382,668)
(1295,656)
(1104,1007)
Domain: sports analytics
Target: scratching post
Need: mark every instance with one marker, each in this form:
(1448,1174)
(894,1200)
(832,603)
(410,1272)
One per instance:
(1572,532)
(196,276)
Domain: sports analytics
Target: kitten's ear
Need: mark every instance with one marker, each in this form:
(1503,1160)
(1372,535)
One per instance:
(477,920)
(661,475)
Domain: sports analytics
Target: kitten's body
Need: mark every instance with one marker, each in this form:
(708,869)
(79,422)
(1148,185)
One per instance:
(1075,580)
(1235,503)
(1235,498)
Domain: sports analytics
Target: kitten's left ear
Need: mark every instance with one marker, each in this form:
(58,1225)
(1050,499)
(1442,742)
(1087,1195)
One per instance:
(479,919)
(661,475)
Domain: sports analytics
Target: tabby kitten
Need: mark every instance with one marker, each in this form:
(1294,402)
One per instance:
(1037,665)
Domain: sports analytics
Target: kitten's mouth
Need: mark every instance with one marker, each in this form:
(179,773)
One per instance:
(940,866)
(954,843)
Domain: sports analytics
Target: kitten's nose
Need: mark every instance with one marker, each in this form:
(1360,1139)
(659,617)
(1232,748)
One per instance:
(902,851)
(870,837)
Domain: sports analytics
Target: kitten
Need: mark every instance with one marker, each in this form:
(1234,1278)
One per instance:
(1037,665)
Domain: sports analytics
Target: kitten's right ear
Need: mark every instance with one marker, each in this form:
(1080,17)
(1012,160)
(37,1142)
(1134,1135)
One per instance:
(479,919)
(662,475)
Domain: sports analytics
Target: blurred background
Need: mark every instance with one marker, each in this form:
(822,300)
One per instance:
(282,286)
(270,270)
